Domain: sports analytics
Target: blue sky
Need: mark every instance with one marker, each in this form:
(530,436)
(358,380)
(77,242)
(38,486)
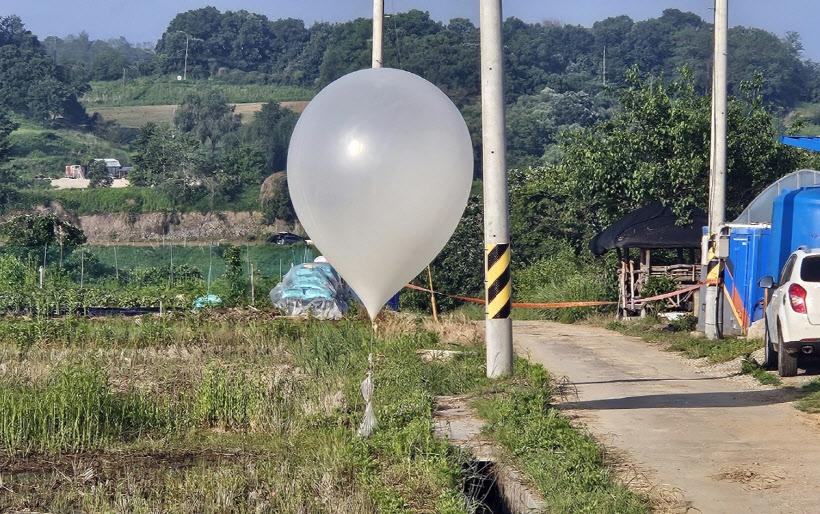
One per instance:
(145,20)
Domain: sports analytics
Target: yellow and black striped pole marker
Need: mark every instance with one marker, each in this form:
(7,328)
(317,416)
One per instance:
(710,323)
(498,281)
(498,308)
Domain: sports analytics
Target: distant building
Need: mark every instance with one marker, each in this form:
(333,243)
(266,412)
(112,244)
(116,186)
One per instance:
(115,169)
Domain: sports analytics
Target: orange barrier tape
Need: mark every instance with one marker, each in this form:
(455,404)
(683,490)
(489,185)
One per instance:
(561,305)
(670,295)
(465,298)
(523,305)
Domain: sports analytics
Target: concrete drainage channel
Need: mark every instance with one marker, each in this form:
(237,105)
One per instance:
(496,488)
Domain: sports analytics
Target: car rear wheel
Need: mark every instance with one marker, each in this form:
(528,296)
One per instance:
(769,353)
(786,364)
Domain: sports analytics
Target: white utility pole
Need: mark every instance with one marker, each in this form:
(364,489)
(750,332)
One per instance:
(496,201)
(378,33)
(185,68)
(717,176)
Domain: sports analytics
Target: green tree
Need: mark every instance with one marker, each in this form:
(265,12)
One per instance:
(98,174)
(270,132)
(8,179)
(168,159)
(30,82)
(247,163)
(12,272)
(656,147)
(274,199)
(207,116)
(237,284)
(42,229)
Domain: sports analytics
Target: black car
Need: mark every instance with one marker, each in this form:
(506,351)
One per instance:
(285,238)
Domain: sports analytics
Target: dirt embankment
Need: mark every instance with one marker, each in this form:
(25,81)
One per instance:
(191,226)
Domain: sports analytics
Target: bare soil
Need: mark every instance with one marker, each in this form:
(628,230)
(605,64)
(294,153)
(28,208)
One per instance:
(701,438)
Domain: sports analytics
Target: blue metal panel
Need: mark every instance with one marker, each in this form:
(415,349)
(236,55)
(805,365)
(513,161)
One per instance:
(748,251)
(809,143)
(795,222)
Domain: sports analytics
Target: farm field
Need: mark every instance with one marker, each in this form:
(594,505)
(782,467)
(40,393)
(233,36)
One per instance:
(136,116)
(247,412)
(161,91)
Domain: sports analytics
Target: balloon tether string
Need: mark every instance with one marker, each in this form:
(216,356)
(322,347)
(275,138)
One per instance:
(369,422)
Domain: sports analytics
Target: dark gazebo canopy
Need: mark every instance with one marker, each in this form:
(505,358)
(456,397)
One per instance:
(651,227)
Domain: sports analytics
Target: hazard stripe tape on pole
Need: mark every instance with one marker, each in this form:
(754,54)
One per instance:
(498,281)
(712,268)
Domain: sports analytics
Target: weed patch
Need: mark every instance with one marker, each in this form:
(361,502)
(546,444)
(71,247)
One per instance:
(567,465)
(811,401)
(651,330)
(751,367)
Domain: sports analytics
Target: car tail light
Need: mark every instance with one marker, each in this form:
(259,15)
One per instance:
(797,297)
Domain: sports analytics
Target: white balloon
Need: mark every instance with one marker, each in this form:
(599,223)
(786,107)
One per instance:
(379,171)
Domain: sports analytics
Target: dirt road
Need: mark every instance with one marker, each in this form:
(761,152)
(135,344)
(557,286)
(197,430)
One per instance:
(719,444)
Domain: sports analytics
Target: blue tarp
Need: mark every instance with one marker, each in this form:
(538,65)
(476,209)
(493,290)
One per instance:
(210,300)
(312,288)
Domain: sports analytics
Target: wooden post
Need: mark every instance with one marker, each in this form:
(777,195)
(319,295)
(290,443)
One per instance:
(432,295)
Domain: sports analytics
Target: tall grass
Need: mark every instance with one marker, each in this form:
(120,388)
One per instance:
(563,277)
(163,91)
(74,410)
(130,200)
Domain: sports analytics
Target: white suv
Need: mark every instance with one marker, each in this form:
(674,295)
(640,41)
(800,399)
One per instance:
(793,312)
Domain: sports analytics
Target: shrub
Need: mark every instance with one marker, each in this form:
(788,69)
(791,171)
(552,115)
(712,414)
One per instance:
(563,277)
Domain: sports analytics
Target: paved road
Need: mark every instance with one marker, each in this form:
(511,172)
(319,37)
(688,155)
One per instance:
(722,445)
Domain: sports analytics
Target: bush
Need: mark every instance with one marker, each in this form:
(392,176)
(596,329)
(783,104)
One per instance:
(655,286)
(98,175)
(12,271)
(563,277)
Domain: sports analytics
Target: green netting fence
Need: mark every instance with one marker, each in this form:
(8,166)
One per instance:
(142,275)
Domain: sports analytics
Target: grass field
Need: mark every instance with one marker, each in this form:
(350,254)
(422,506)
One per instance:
(163,91)
(244,412)
(136,116)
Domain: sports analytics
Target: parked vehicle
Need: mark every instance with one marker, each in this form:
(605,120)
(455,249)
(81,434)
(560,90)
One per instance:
(793,312)
(285,238)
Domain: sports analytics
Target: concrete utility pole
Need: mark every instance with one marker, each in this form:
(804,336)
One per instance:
(496,201)
(717,176)
(378,33)
(185,68)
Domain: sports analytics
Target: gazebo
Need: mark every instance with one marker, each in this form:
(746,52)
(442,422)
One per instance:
(652,227)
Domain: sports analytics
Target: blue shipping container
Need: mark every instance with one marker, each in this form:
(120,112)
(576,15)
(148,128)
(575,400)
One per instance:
(795,222)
